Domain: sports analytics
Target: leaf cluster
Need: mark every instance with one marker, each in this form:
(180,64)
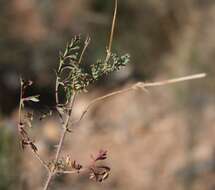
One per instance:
(72,74)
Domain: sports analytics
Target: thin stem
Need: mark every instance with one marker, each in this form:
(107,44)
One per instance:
(113,27)
(175,80)
(48,181)
(62,138)
(20,123)
(41,160)
(87,42)
(56,90)
(20,101)
(100,99)
(109,48)
(139,85)
(52,171)
(59,146)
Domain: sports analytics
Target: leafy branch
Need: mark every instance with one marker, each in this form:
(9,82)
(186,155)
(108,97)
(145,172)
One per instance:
(73,79)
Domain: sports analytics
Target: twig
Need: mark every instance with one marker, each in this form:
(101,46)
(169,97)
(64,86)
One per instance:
(52,171)
(139,85)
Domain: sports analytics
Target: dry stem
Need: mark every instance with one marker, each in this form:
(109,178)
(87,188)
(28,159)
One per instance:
(112,27)
(109,48)
(136,86)
(52,171)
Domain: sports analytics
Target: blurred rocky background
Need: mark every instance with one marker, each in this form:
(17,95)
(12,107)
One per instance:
(161,140)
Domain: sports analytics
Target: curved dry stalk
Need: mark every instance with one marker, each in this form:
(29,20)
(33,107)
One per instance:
(136,86)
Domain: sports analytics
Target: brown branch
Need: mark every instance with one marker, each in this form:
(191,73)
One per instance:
(139,85)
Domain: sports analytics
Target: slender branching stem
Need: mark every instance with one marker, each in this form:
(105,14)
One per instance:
(52,171)
(65,127)
(136,86)
(20,124)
